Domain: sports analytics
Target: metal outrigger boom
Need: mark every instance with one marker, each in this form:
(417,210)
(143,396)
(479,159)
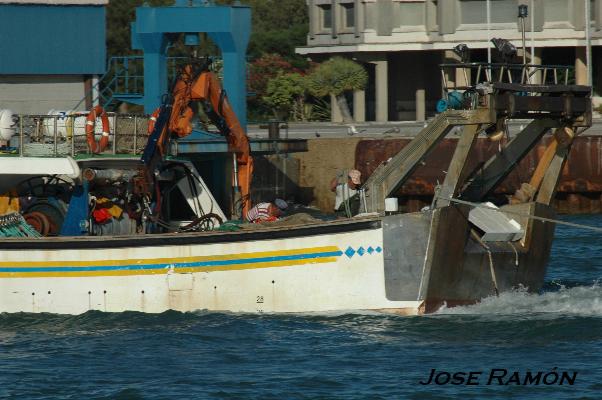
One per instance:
(484,106)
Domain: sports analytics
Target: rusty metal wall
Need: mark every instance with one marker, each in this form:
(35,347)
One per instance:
(579,191)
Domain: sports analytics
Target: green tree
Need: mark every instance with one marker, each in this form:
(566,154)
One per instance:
(336,77)
(119,16)
(278,26)
(260,72)
(286,95)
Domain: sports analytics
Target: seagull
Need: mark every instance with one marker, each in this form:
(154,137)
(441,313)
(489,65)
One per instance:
(352,130)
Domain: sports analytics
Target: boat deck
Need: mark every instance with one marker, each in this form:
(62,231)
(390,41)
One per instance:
(248,232)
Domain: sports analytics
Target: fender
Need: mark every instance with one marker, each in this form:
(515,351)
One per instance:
(99,147)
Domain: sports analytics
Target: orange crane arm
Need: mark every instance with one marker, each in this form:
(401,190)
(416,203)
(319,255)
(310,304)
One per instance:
(206,88)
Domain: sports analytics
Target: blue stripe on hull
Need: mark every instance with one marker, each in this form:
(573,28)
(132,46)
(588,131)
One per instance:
(199,264)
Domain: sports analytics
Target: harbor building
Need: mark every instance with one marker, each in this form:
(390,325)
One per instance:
(53,52)
(402,42)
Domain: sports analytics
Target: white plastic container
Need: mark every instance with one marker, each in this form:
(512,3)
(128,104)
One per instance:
(391,204)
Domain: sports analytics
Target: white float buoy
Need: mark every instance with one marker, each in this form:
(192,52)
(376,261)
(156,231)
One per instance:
(7,125)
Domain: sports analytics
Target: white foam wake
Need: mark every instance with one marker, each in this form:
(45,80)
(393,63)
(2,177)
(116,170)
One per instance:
(576,301)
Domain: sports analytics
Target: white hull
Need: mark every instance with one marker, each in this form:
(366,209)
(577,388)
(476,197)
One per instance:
(314,273)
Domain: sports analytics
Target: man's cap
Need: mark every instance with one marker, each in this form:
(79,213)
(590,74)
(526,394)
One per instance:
(355,176)
(281,204)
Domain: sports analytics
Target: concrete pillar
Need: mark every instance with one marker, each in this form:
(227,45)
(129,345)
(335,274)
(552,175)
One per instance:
(359,105)
(463,77)
(580,66)
(314,19)
(457,76)
(420,104)
(359,17)
(95,94)
(536,60)
(382,90)
(449,57)
(336,18)
(446,16)
(519,53)
(598,78)
(335,112)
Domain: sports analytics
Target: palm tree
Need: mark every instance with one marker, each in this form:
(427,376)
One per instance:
(337,76)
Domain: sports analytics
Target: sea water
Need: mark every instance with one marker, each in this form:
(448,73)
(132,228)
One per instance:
(516,336)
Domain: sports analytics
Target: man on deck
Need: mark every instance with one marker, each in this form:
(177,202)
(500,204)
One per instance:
(347,199)
(266,212)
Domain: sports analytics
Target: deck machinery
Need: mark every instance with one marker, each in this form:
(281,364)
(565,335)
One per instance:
(446,246)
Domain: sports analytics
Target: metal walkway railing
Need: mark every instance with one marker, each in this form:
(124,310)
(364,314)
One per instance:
(124,81)
(65,135)
(466,76)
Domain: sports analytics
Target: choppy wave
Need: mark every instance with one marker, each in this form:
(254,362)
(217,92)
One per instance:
(558,301)
(585,301)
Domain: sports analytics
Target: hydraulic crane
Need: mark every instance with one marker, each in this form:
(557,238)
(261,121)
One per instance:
(196,83)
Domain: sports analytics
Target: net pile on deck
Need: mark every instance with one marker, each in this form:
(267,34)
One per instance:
(13,225)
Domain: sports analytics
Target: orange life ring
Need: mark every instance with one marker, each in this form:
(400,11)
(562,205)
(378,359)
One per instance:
(153,120)
(98,111)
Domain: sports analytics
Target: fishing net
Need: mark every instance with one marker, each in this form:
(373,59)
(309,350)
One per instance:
(13,225)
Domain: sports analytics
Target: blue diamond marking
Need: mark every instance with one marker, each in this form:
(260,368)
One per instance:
(379,249)
(370,250)
(349,252)
(361,251)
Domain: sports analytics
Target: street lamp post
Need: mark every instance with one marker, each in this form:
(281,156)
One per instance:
(531,6)
(522,14)
(488,32)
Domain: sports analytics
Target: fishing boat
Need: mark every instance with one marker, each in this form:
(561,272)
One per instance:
(100,228)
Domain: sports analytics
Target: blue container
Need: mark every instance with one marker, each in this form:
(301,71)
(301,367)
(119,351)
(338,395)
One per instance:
(453,102)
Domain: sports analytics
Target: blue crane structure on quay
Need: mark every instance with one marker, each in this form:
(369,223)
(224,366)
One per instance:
(229,27)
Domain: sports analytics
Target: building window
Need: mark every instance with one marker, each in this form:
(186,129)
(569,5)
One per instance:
(349,15)
(474,12)
(326,16)
(556,11)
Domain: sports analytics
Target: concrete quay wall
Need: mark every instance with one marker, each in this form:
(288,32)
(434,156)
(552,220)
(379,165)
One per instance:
(579,190)
(305,177)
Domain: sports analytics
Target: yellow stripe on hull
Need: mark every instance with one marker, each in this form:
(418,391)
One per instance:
(102,263)
(285,263)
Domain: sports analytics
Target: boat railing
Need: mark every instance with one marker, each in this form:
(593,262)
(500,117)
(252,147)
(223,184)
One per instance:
(61,134)
(466,76)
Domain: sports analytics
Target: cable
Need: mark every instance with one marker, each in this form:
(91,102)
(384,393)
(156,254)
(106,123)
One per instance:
(491,269)
(346,199)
